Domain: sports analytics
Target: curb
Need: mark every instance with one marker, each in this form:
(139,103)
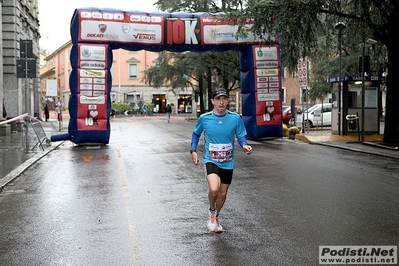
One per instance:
(304,139)
(356,150)
(353,149)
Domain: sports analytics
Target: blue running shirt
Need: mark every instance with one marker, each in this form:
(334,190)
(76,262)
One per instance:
(219,133)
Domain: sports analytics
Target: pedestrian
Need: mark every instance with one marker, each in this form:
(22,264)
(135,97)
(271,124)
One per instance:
(46,112)
(4,109)
(220,127)
(58,110)
(168,110)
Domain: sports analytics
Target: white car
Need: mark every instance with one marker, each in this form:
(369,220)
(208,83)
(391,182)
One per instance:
(316,115)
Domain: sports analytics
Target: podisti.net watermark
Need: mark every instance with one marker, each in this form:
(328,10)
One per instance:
(358,255)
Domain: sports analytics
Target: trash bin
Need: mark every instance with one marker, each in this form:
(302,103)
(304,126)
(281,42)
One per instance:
(352,124)
(352,121)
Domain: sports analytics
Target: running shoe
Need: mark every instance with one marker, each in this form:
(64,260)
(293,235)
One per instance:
(219,227)
(211,222)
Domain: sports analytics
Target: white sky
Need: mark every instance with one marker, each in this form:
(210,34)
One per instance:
(55,17)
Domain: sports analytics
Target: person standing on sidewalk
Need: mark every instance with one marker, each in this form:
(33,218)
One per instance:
(220,127)
(168,111)
(58,110)
(46,112)
(4,109)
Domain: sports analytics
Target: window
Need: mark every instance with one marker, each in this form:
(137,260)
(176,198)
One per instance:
(283,95)
(113,97)
(133,71)
(327,108)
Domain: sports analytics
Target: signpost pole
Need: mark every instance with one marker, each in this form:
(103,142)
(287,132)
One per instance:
(303,85)
(26,97)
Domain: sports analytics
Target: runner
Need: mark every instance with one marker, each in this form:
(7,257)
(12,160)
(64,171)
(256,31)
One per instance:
(220,127)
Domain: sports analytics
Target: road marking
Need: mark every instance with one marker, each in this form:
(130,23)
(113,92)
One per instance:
(129,212)
(87,158)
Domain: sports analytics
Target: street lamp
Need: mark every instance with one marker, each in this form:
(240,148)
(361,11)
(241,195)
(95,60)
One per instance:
(339,28)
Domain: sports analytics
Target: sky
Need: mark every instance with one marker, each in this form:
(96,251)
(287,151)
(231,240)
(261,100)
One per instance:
(55,17)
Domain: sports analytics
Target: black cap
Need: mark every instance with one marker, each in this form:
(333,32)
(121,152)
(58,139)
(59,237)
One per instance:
(220,92)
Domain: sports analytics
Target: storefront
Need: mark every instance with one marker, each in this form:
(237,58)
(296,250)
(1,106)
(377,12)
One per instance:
(184,104)
(352,103)
(159,101)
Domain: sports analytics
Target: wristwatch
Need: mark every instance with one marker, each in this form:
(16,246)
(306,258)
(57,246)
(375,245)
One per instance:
(191,151)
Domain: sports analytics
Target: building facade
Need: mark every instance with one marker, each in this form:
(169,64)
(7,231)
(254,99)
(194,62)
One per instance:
(19,24)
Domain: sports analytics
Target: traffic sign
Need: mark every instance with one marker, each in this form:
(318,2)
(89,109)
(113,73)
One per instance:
(302,72)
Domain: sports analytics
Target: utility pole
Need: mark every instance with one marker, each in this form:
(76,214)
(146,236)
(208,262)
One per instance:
(26,96)
(26,68)
(339,27)
(368,42)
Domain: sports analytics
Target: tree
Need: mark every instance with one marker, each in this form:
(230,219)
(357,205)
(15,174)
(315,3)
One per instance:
(300,23)
(203,71)
(200,71)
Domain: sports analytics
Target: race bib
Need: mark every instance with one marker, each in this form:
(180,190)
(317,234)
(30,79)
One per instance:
(221,152)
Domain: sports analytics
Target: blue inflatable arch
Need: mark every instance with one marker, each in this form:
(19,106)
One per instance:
(96,32)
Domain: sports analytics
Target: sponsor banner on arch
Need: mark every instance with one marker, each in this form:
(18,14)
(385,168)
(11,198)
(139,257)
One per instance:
(95,33)
(267,85)
(92,87)
(160,29)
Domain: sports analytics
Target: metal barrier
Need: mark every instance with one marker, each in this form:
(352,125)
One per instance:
(37,128)
(39,131)
(13,119)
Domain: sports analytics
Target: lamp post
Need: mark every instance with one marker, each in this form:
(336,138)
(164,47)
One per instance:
(26,43)
(339,27)
(363,93)
(368,42)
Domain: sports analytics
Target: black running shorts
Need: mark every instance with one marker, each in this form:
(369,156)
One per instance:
(226,175)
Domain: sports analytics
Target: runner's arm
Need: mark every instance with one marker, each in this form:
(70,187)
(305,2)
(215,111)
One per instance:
(194,141)
(242,141)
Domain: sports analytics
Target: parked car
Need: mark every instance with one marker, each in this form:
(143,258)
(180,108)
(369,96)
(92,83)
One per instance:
(317,115)
(284,108)
(308,114)
(287,114)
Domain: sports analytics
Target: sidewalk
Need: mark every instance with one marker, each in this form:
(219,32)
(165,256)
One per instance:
(371,145)
(14,160)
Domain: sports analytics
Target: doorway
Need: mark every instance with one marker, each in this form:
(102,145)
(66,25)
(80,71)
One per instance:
(159,101)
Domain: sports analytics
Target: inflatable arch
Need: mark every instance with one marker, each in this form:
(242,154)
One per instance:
(96,32)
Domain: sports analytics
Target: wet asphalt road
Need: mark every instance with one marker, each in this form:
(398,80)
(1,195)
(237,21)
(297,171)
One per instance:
(140,201)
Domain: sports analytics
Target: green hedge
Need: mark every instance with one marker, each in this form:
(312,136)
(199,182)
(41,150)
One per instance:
(122,107)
